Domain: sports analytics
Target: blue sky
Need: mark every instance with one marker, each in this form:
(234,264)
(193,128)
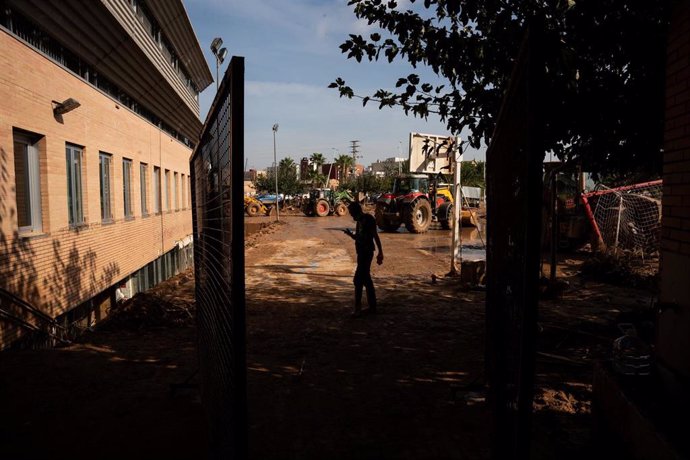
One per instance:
(291,55)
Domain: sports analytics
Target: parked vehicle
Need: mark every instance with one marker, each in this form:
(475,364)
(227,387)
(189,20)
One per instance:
(254,207)
(322,202)
(268,198)
(416,201)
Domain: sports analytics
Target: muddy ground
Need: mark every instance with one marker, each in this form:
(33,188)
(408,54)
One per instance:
(405,383)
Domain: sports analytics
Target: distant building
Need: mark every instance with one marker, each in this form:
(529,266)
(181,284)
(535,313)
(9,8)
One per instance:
(387,167)
(330,170)
(305,167)
(99,112)
(251,175)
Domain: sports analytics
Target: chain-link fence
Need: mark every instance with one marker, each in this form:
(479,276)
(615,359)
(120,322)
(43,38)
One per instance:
(627,217)
(217,197)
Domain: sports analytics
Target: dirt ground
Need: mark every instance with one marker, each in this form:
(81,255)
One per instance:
(407,382)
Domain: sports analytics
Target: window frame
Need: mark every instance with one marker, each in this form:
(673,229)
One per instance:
(127,174)
(175,185)
(106,186)
(144,188)
(74,155)
(158,198)
(32,180)
(183,192)
(166,187)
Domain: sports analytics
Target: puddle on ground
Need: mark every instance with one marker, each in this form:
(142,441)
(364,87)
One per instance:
(437,242)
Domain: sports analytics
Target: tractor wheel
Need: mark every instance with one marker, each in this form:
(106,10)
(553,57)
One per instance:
(418,219)
(270,210)
(445,216)
(253,209)
(340,209)
(381,221)
(322,208)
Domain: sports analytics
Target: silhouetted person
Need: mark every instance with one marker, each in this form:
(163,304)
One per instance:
(365,236)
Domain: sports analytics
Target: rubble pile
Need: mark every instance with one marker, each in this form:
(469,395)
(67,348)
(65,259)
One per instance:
(170,304)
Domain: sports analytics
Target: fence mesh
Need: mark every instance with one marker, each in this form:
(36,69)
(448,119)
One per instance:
(627,218)
(217,193)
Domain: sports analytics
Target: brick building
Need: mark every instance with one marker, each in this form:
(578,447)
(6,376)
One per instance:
(98,115)
(643,412)
(674,321)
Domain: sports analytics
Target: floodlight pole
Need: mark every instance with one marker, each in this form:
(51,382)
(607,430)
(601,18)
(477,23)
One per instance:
(220,54)
(275,170)
(456,248)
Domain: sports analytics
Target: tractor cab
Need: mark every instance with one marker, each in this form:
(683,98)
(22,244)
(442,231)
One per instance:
(411,184)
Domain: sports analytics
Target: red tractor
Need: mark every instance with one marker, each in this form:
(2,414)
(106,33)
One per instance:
(409,203)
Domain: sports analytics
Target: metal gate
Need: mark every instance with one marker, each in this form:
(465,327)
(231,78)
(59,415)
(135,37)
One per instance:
(514,191)
(217,204)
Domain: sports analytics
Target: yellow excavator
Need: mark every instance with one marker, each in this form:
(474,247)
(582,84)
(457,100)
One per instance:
(254,207)
(468,215)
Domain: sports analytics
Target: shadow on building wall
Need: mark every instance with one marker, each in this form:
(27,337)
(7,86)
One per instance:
(72,278)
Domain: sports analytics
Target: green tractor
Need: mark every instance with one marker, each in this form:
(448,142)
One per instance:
(323,202)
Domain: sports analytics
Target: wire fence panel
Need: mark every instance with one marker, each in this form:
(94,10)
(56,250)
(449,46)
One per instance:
(627,217)
(217,206)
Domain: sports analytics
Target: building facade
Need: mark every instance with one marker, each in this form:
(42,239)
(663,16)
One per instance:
(98,118)
(388,167)
(673,342)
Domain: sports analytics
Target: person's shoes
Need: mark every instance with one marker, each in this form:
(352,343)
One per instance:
(356,314)
(370,311)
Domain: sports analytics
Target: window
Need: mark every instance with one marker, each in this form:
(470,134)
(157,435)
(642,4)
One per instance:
(175,194)
(75,205)
(106,167)
(167,190)
(156,189)
(143,183)
(183,192)
(189,195)
(28,182)
(127,186)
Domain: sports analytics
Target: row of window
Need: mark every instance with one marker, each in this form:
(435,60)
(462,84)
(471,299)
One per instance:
(171,190)
(25,29)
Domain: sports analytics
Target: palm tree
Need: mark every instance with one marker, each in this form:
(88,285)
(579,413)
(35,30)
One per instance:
(286,164)
(317,159)
(344,163)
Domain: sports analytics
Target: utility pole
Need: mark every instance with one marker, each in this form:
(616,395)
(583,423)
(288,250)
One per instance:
(275,170)
(456,241)
(354,148)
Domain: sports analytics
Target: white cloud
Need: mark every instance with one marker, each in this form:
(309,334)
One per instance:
(291,51)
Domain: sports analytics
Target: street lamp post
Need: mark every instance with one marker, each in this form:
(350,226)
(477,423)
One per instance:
(219,53)
(275,170)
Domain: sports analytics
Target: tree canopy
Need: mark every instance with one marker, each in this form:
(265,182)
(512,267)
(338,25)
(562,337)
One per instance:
(344,163)
(288,183)
(604,70)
